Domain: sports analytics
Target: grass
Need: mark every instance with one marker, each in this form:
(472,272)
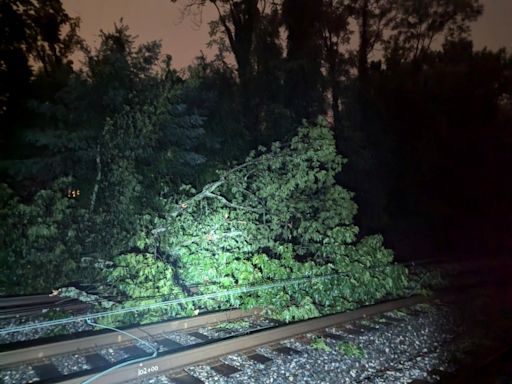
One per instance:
(320,344)
(351,350)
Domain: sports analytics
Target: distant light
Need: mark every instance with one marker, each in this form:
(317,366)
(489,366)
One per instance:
(73,193)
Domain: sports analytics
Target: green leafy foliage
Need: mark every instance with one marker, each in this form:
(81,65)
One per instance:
(235,325)
(276,217)
(120,128)
(85,297)
(351,350)
(149,278)
(40,241)
(143,279)
(280,215)
(320,344)
(129,130)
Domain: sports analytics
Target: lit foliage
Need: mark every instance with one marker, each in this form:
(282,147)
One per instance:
(138,152)
(61,235)
(279,215)
(319,344)
(351,350)
(40,241)
(146,280)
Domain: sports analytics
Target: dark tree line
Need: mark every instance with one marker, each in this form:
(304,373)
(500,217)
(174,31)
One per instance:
(422,116)
(410,100)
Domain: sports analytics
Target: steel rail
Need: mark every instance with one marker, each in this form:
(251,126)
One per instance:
(207,296)
(34,310)
(15,301)
(214,350)
(9,304)
(10,358)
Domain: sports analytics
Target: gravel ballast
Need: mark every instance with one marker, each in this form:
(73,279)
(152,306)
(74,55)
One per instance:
(394,353)
(394,348)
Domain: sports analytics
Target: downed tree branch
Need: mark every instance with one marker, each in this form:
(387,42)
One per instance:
(207,191)
(230,204)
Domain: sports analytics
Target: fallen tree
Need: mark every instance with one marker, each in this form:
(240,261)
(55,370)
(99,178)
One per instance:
(279,216)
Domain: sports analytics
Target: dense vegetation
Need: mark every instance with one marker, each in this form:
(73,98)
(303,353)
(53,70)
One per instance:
(154,183)
(278,216)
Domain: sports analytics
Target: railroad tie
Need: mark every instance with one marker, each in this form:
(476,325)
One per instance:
(200,336)
(169,344)
(225,370)
(134,351)
(352,331)
(95,360)
(287,351)
(46,371)
(365,328)
(185,379)
(334,336)
(259,358)
(391,319)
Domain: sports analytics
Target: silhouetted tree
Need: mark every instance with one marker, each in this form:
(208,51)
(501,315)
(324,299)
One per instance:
(372,18)
(37,39)
(235,30)
(303,81)
(442,110)
(417,23)
(336,35)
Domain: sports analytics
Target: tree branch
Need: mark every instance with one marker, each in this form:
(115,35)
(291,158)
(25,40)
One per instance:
(230,204)
(98,179)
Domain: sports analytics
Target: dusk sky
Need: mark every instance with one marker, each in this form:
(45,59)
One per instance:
(161,20)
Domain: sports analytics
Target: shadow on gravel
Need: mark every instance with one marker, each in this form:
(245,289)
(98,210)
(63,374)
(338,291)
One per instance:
(484,345)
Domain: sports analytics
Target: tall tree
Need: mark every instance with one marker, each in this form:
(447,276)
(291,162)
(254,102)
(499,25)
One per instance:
(417,23)
(372,18)
(303,81)
(37,35)
(249,29)
(237,22)
(336,35)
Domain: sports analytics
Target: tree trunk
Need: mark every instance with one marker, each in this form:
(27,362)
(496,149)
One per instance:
(364,42)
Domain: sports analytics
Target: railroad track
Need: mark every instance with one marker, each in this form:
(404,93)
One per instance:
(180,343)
(34,305)
(40,304)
